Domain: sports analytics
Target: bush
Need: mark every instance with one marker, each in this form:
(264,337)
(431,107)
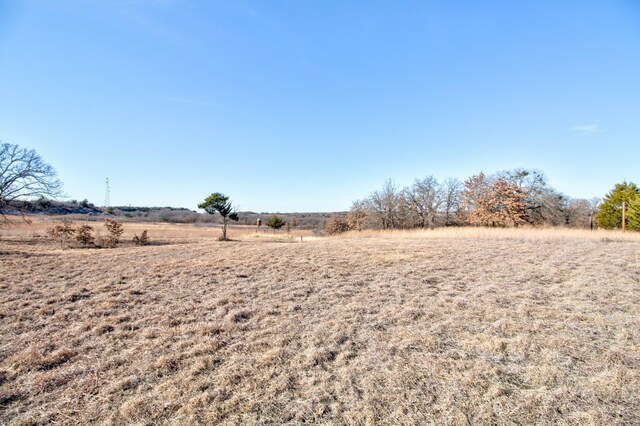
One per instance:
(142,240)
(275,222)
(114,230)
(84,236)
(336,225)
(62,232)
(357,218)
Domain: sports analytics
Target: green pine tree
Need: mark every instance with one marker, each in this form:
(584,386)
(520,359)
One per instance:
(275,222)
(609,214)
(633,213)
(220,203)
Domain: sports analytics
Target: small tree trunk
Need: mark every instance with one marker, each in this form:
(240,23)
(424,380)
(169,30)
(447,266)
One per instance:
(224,228)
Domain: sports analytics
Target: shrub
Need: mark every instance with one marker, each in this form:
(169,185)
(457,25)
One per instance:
(336,225)
(84,236)
(356,219)
(142,240)
(114,230)
(275,222)
(62,232)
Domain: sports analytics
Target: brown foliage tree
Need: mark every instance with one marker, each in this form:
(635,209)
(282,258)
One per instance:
(474,188)
(357,216)
(114,230)
(62,232)
(84,236)
(336,225)
(499,204)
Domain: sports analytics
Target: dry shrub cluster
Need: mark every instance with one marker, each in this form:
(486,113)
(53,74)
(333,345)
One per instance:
(66,234)
(84,235)
(62,233)
(354,220)
(141,240)
(427,328)
(336,225)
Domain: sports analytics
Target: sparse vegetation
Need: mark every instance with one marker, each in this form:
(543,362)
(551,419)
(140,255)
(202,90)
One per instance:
(142,240)
(525,327)
(62,233)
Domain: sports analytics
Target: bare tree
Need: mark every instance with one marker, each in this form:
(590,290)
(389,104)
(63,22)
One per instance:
(384,205)
(578,213)
(405,211)
(451,199)
(549,208)
(425,197)
(594,204)
(23,175)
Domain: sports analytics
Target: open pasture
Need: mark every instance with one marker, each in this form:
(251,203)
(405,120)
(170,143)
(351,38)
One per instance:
(455,326)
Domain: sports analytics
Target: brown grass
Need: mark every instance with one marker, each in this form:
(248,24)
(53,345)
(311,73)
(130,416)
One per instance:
(436,327)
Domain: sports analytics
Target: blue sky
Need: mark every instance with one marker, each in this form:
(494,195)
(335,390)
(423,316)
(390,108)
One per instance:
(294,105)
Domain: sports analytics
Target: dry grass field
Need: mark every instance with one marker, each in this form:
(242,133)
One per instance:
(454,326)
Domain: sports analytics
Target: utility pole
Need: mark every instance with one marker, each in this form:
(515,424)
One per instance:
(624,216)
(106,195)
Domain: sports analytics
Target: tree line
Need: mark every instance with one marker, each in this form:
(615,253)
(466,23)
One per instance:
(509,198)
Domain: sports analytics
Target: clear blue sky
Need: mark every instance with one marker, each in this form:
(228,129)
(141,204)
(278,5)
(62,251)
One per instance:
(291,105)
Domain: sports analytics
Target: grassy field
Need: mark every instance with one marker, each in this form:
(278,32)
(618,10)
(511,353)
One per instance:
(453,326)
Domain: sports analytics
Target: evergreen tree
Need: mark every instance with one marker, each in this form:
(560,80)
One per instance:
(220,203)
(609,214)
(275,222)
(633,213)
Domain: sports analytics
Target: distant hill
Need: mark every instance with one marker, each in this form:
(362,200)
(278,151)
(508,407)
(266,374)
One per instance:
(307,220)
(54,207)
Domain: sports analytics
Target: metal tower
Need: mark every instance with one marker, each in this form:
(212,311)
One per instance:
(106,195)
